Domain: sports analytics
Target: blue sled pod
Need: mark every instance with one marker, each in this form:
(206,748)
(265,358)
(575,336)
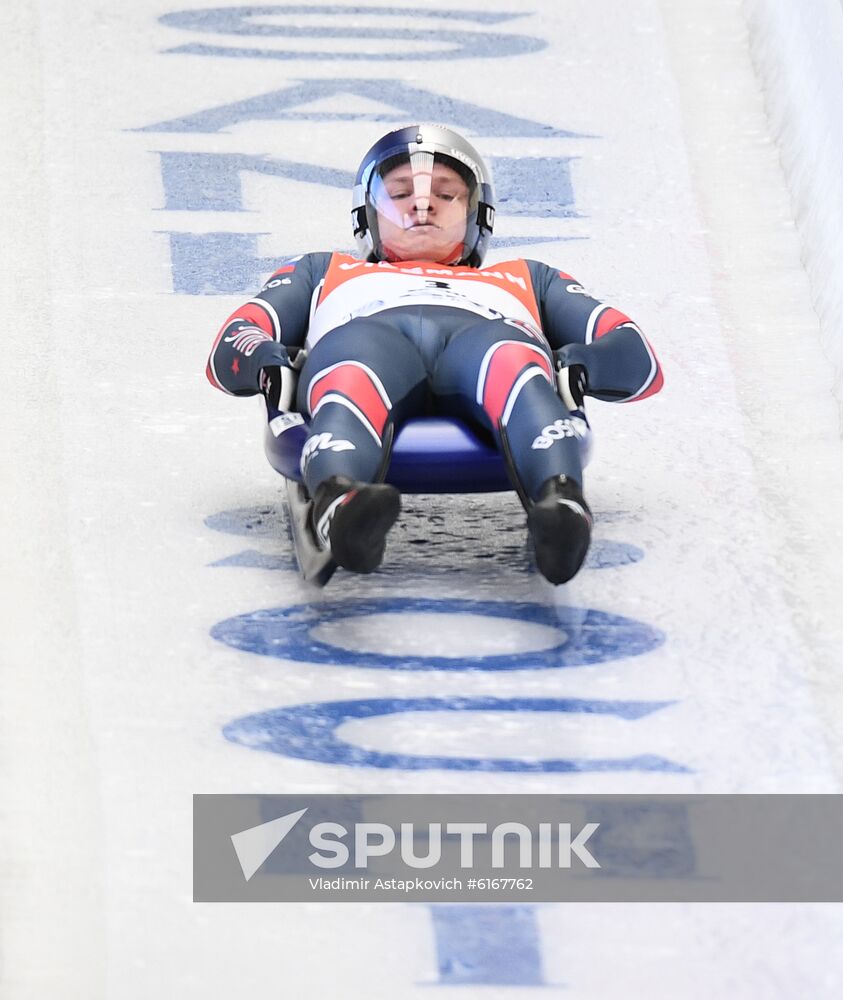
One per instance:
(429,455)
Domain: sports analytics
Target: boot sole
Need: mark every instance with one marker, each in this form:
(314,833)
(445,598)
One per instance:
(561,537)
(360,526)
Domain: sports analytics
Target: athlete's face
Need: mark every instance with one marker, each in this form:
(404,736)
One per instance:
(422,216)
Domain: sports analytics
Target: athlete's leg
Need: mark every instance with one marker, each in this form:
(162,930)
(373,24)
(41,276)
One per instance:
(494,371)
(357,380)
(500,374)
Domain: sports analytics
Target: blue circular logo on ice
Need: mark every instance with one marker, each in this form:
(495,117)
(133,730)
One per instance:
(362,633)
(309,732)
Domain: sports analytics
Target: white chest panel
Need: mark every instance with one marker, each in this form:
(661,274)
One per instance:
(368,292)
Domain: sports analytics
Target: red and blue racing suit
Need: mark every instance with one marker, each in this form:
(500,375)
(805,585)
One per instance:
(389,341)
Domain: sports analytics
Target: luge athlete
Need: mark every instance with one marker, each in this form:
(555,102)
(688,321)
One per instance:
(416,325)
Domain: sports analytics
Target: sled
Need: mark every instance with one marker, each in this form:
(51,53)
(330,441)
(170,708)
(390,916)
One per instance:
(429,455)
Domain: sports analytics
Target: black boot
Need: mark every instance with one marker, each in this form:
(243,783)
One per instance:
(560,525)
(353,519)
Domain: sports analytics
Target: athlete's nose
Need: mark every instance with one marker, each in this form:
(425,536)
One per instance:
(422,183)
(422,212)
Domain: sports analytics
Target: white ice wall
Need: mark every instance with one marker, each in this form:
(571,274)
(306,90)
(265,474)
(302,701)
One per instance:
(797,48)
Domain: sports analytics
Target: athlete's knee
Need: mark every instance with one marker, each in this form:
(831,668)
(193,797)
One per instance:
(507,368)
(356,388)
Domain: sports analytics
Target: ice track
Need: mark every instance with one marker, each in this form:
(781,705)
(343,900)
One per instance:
(143,199)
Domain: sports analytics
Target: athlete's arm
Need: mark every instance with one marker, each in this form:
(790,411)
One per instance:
(619,363)
(258,334)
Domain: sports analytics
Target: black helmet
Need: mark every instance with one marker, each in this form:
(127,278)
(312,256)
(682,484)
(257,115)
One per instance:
(423,147)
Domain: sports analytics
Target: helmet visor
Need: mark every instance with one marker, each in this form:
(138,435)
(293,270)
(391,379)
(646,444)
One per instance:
(421,206)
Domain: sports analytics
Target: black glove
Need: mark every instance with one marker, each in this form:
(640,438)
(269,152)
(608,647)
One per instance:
(278,385)
(571,376)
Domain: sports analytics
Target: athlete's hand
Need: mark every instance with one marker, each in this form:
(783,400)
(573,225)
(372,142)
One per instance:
(278,385)
(571,380)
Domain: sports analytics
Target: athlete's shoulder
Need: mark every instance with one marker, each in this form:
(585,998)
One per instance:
(516,266)
(538,270)
(513,263)
(540,267)
(310,266)
(548,276)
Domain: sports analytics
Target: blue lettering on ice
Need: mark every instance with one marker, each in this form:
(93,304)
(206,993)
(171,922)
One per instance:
(239,20)
(228,263)
(642,840)
(600,556)
(455,44)
(402,102)
(586,636)
(223,263)
(293,859)
(537,186)
(212,182)
(487,946)
(271,523)
(258,522)
(504,242)
(251,559)
(606,554)
(309,732)
(218,263)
